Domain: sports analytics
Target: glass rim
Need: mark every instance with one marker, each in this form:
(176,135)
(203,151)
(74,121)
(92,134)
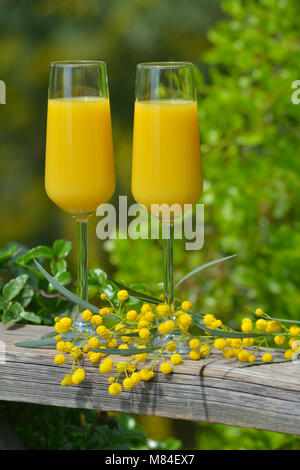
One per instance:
(77,63)
(165,65)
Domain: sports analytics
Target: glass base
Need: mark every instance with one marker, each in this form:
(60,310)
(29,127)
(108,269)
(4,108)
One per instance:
(182,347)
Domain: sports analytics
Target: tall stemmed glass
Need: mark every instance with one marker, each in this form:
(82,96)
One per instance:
(166,165)
(79,149)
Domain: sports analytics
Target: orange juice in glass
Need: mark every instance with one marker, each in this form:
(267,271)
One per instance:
(166,162)
(79,153)
(166,153)
(79,171)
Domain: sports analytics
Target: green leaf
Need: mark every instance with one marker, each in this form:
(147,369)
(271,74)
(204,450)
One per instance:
(202,267)
(69,295)
(98,276)
(32,317)
(40,251)
(59,266)
(137,295)
(7,253)
(125,352)
(25,297)
(62,248)
(13,314)
(37,343)
(13,287)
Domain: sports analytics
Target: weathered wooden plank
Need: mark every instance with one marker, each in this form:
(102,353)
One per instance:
(262,397)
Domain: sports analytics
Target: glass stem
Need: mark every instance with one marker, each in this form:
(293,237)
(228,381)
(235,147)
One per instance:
(168,266)
(82,278)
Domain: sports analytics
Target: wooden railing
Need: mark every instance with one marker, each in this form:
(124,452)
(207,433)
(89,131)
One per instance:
(260,397)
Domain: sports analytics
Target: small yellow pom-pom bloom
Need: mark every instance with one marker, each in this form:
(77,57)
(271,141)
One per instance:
(261,324)
(176,359)
(68,346)
(59,359)
(220,343)
(106,366)
(93,342)
(246,325)
(194,343)
(218,323)
(267,357)
(122,295)
(294,330)
(251,358)
(96,320)
(288,354)
(243,356)
(142,324)
(248,342)
(228,353)
(123,346)
(279,339)
(184,321)
(103,296)
(209,318)
(136,377)
(94,357)
(103,331)
(166,327)
(78,376)
(273,326)
(163,310)
(115,389)
(131,315)
(67,381)
(144,333)
(145,308)
(204,350)
(236,343)
(186,305)
(171,347)
(86,315)
(111,380)
(128,383)
(60,346)
(57,338)
(259,311)
(166,368)
(146,374)
(149,316)
(141,357)
(56,319)
(113,343)
(195,355)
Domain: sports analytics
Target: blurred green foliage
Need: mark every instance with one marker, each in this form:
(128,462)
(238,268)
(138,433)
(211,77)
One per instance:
(250,139)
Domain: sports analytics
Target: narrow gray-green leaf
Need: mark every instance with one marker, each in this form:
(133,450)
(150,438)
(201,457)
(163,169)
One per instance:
(69,295)
(125,352)
(36,343)
(202,267)
(137,295)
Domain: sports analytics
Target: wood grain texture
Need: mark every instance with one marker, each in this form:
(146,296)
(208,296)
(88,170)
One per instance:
(260,397)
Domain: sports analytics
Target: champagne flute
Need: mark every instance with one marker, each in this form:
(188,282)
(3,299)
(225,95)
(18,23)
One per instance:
(166,163)
(79,173)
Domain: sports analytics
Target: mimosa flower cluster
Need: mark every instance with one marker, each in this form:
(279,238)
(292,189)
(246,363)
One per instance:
(130,346)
